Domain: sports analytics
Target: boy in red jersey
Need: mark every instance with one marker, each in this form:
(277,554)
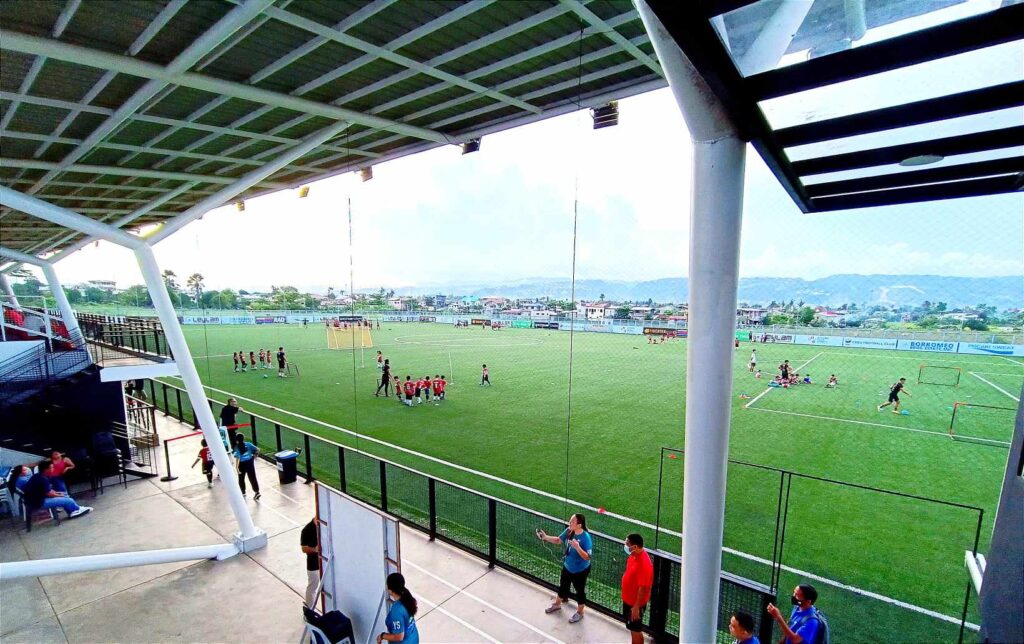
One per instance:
(428,384)
(234,356)
(420,386)
(410,390)
(439,389)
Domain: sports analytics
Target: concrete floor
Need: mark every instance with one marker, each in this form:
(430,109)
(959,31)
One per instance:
(256,597)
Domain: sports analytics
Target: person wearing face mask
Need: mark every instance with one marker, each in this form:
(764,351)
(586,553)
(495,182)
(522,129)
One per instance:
(636,586)
(575,564)
(806,624)
(400,621)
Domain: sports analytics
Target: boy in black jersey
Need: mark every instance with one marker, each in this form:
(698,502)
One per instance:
(894,395)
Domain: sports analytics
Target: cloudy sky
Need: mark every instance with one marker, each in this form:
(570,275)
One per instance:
(507,212)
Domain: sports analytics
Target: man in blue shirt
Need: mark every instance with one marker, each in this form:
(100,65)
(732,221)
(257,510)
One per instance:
(40,494)
(803,624)
(741,626)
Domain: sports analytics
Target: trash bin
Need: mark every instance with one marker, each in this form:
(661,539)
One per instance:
(287,466)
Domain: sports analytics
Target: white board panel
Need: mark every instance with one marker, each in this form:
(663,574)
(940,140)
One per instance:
(361,546)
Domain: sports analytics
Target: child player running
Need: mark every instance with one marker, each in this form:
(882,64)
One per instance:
(894,395)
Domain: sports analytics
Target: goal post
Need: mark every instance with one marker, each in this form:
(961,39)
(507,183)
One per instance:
(351,337)
(928,374)
(984,424)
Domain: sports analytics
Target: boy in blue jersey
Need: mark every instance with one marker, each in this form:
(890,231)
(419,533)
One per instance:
(401,620)
(804,623)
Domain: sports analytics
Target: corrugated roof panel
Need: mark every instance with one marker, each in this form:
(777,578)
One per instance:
(36,119)
(13,69)
(118,24)
(399,19)
(30,16)
(120,89)
(83,124)
(184,28)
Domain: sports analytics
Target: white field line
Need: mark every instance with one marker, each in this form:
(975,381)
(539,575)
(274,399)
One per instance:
(585,506)
(999,373)
(459,620)
(1012,361)
(994,386)
(795,370)
(503,613)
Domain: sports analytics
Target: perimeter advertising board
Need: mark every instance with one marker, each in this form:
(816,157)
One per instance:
(743,336)
(819,340)
(784,338)
(545,325)
(480,322)
(660,330)
(870,343)
(522,324)
(936,346)
(982,348)
(428,318)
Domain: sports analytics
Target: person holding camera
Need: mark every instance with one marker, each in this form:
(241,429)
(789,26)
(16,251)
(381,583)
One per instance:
(578,548)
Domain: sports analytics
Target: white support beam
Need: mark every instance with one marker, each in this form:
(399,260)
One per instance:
(117,171)
(773,38)
(227,25)
(610,33)
(56,290)
(8,290)
(385,54)
(16,41)
(61,566)
(247,181)
(716,209)
(63,217)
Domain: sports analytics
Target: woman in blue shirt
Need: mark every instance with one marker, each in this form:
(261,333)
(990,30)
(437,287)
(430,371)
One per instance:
(575,564)
(246,453)
(401,622)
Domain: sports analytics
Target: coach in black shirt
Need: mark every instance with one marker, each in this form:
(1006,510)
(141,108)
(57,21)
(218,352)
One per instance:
(310,543)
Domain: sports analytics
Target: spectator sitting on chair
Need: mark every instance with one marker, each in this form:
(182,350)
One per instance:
(59,466)
(741,626)
(804,623)
(18,478)
(40,494)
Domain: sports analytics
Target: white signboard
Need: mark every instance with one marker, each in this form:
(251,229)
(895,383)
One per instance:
(982,348)
(819,340)
(870,343)
(937,346)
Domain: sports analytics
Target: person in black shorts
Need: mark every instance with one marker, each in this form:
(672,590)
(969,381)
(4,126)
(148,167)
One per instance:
(784,370)
(385,379)
(894,395)
(281,362)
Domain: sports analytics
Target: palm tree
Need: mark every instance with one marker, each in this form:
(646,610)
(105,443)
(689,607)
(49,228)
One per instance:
(195,285)
(170,280)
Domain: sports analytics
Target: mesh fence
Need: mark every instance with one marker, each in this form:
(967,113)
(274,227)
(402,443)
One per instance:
(462,517)
(408,496)
(938,375)
(326,467)
(362,477)
(982,423)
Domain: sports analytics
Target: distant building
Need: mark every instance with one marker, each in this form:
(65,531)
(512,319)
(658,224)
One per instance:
(751,315)
(104,285)
(440,301)
(597,310)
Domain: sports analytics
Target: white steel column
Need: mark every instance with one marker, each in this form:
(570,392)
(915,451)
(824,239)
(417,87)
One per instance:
(715,220)
(196,393)
(70,322)
(8,290)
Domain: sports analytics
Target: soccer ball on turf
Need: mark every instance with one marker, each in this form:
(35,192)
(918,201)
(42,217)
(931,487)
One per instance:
(264,375)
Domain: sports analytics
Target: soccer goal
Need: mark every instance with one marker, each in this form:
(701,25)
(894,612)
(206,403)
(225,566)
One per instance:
(984,424)
(293,370)
(352,337)
(929,374)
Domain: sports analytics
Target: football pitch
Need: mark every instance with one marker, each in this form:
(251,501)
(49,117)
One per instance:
(881,562)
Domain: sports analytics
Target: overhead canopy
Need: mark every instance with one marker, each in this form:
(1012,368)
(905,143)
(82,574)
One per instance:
(131,112)
(846,100)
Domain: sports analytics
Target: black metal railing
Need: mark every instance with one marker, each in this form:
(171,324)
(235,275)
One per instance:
(498,531)
(134,335)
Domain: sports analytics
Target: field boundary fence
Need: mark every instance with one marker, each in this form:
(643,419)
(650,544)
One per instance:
(496,530)
(787,502)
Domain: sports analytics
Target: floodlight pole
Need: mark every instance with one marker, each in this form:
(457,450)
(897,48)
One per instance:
(716,210)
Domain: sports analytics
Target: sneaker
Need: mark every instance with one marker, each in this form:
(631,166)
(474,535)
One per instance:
(209,485)
(553,608)
(82,509)
(575,618)
(257,497)
(878,408)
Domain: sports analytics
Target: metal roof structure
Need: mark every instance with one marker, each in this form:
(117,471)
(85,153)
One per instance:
(844,99)
(132,111)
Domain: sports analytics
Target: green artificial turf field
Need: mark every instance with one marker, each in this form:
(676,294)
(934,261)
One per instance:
(600,444)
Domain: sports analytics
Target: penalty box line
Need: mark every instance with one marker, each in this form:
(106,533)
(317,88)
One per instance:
(620,517)
(795,370)
(993,385)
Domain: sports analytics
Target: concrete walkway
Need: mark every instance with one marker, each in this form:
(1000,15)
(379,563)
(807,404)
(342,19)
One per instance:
(255,597)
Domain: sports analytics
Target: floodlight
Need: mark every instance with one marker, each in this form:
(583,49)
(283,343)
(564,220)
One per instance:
(240,205)
(366,173)
(605,115)
(470,146)
(303,192)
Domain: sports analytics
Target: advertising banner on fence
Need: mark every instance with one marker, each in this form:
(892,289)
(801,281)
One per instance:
(522,324)
(545,325)
(394,318)
(428,318)
(937,346)
(658,330)
(480,322)
(784,338)
(819,340)
(982,348)
(743,336)
(199,319)
(870,343)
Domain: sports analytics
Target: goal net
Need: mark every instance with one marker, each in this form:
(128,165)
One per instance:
(352,337)
(934,375)
(986,424)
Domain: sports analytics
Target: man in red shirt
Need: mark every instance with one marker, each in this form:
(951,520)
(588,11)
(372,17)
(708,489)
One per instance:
(636,586)
(410,390)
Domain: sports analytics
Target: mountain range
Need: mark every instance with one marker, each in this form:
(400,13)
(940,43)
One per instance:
(834,290)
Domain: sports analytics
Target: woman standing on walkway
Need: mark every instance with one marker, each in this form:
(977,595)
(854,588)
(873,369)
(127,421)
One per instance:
(246,453)
(575,564)
(401,620)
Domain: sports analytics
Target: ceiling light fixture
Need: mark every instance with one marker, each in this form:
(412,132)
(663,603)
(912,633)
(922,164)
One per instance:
(921,159)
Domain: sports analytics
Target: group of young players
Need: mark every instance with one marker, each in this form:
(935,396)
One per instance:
(414,391)
(264,357)
(786,376)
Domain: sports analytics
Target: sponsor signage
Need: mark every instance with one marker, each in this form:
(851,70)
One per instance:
(819,340)
(394,318)
(927,345)
(870,343)
(522,324)
(480,322)
(657,330)
(428,318)
(778,337)
(199,319)
(743,336)
(983,348)
(264,320)
(545,325)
